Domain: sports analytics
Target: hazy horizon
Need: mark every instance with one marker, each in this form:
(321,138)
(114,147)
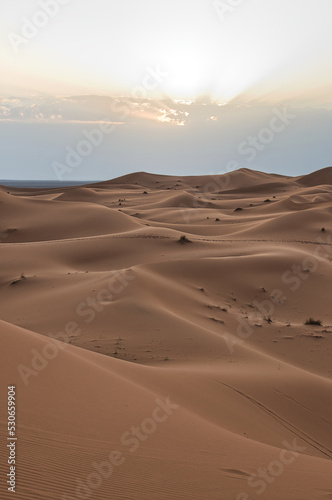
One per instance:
(42,183)
(97,138)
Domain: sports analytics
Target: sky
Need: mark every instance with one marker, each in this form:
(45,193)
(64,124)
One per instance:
(186,86)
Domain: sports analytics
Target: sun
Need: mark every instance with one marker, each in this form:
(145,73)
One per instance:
(190,72)
(186,74)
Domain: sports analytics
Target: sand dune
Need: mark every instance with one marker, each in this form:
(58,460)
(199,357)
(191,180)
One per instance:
(149,367)
(26,219)
(318,178)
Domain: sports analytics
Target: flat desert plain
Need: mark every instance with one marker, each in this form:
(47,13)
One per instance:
(155,330)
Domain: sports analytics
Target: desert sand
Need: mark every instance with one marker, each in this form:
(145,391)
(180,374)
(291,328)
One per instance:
(154,328)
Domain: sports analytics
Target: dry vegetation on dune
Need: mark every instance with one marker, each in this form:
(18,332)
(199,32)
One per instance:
(170,337)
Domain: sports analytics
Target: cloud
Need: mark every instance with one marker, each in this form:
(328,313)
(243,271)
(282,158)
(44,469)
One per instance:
(94,109)
(162,136)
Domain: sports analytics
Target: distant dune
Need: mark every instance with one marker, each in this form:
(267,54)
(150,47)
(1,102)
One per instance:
(154,327)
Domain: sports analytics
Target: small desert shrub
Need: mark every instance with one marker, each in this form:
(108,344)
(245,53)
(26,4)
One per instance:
(312,321)
(267,201)
(323,229)
(183,240)
(238,209)
(18,280)
(217,220)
